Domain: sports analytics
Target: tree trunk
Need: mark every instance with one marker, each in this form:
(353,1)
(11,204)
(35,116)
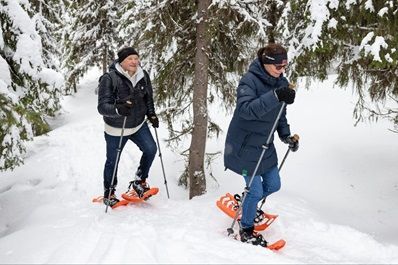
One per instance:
(105,59)
(196,174)
(273,16)
(74,86)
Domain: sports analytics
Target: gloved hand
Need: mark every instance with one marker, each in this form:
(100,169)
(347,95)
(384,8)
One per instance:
(123,106)
(285,94)
(292,141)
(154,120)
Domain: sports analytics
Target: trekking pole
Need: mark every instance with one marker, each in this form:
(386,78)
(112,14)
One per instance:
(283,160)
(119,149)
(230,230)
(296,138)
(161,161)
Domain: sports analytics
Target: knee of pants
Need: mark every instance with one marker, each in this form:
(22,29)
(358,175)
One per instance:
(256,188)
(151,150)
(276,187)
(273,187)
(255,194)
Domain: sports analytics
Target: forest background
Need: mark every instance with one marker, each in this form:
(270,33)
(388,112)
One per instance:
(193,50)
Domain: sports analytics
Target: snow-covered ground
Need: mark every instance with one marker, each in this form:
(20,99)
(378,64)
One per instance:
(338,202)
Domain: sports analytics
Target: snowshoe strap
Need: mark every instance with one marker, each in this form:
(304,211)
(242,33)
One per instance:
(260,240)
(237,198)
(259,216)
(130,185)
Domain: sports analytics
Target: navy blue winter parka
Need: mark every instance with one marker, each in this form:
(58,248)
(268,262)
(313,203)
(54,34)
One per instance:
(256,110)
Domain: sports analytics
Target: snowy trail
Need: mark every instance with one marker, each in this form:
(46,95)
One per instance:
(47,215)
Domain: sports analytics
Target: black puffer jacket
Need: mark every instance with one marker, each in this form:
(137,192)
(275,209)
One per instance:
(141,94)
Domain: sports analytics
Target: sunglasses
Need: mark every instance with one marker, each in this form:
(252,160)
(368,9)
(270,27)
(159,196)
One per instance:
(280,66)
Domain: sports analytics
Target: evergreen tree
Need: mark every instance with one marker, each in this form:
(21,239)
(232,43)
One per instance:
(355,39)
(91,38)
(47,15)
(29,91)
(167,34)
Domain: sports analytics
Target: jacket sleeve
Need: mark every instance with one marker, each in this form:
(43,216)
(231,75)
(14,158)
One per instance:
(251,106)
(283,127)
(149,96)
(106,98)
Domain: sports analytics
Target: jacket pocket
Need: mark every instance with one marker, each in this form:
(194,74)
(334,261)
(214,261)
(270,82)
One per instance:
(244,144)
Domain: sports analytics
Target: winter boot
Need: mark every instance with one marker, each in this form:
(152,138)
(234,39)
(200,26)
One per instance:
(248,235)
(139,184)
(112,200)
(140,187)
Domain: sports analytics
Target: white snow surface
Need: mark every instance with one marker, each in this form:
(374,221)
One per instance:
(338,202)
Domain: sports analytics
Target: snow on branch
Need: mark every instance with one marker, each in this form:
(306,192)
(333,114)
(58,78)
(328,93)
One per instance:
(375,47)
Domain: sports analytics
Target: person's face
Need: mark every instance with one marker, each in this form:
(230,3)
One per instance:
(275,70)
(130,64)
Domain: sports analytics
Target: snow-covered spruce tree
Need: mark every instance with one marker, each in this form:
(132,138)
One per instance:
(47,15)
(14,128)
(29,91)
(91,38)
(168,35)
(355,39)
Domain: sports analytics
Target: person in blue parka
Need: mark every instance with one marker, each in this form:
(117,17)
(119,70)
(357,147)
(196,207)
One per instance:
(260,94)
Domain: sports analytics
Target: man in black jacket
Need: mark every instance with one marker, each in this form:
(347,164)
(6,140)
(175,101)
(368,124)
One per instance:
(131,99)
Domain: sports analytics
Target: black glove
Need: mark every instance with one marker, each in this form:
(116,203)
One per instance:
(292,141)
(123,106)
(154,120)
(285,94)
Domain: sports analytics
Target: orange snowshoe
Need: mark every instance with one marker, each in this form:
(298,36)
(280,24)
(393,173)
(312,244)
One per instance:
(277,245)
(229,204)
(100,199)
(132,196)
(129,197)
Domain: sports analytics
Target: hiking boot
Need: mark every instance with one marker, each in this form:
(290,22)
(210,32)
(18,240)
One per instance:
(111,201)
(140,187)
(248,235)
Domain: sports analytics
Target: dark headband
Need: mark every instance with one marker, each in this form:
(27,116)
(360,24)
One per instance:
(274,58)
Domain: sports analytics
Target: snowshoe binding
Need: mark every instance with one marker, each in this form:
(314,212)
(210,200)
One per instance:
(139,191)
(110,197)
(247,235)
(140,187)
(111,201)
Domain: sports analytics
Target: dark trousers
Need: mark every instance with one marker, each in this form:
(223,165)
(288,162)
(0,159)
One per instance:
(143,139)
